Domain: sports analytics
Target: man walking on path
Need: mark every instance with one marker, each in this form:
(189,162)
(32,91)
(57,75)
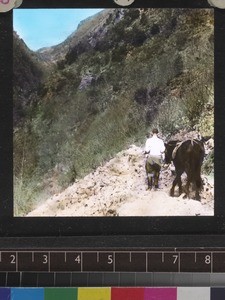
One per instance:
(155,148)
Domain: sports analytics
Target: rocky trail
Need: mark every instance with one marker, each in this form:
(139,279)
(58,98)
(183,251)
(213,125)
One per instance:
(119,188)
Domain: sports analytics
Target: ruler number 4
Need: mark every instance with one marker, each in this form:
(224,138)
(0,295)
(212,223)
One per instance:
(78,259)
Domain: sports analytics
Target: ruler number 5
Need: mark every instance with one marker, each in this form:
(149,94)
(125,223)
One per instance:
(110,259)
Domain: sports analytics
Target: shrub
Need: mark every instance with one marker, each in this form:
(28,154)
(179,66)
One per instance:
(25,193)
(155,29)
(68,177)
(178,65)
(150,115)
(208,164)
(137,37)
(171,117)
(72,55)
(195,101)
(173,23)
(140,96)
(119,53)
(60,64)
(181,40)
(133,13)
(144,20)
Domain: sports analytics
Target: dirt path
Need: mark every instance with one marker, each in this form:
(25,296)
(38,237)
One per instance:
(119,189)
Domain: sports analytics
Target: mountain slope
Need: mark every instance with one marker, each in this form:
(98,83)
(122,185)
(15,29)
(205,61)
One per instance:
(86,27)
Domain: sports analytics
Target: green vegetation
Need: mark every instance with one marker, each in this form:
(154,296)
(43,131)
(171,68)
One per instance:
(208,164)
(100,99)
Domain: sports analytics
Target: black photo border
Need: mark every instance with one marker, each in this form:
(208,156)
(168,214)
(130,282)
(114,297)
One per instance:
(124,227)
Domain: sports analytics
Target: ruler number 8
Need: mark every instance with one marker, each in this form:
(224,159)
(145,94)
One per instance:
(207,259)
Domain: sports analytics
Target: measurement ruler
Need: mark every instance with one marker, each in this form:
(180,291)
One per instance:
(177,261)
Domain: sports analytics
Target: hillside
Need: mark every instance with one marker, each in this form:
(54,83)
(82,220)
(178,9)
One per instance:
(120,73)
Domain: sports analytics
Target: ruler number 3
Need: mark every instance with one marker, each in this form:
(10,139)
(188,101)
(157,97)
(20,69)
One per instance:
(45,259)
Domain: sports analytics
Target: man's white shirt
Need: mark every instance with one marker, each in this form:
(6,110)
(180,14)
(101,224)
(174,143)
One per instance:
(155,146)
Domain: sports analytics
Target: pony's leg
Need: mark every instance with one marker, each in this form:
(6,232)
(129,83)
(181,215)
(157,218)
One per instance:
(157,172)
(187,188)
(176,181)
(156,181)
(156,175)
(197,196)
(173,187)
(198,189)
(180,185)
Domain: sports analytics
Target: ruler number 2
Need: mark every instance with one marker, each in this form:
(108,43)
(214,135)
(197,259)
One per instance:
(13,259)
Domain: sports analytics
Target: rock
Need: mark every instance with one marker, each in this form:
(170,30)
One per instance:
(86,81)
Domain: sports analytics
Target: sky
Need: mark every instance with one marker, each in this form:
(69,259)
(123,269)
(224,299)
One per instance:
(47,27)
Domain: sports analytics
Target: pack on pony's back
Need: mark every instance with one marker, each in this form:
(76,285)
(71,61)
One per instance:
(187,157)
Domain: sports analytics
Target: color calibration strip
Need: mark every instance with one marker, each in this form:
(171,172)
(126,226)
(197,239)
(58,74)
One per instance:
(180,293)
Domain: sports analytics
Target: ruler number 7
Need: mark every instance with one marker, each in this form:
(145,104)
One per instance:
(175,258)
